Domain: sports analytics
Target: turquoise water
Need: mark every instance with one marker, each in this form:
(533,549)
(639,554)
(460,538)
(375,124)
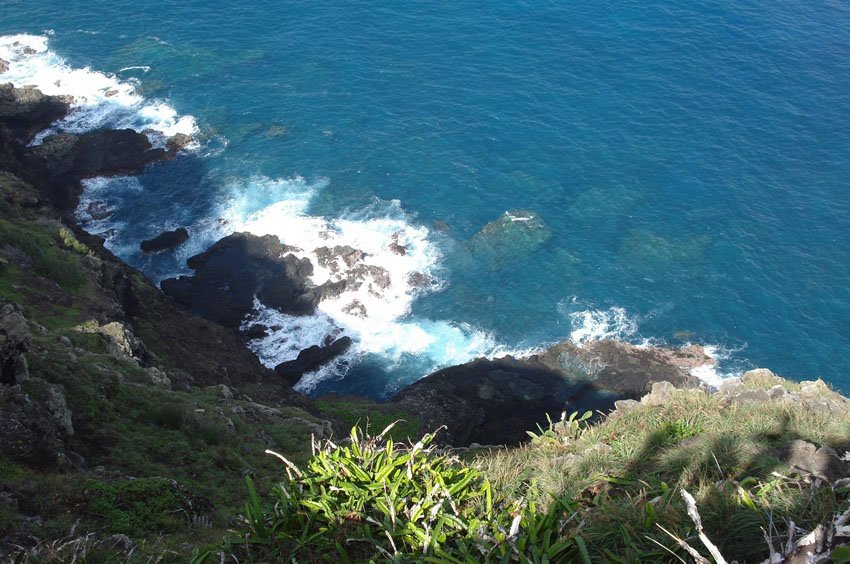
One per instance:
(687,164)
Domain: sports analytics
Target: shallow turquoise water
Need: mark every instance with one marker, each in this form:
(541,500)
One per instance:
(690,160)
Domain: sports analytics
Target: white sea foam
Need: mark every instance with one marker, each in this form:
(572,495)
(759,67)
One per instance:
(375,315)
(597,324)
(713,373)
(615,323)
(99,99)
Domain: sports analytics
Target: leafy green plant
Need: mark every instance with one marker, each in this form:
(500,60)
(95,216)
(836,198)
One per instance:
(566,429)
(374,498)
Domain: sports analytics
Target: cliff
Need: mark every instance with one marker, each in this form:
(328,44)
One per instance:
(128,422)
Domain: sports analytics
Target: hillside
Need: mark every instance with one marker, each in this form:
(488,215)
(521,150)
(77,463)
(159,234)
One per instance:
(128,425)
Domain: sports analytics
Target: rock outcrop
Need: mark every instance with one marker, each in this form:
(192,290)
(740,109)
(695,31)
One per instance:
(497,401)
(165,241)
(234,270)
(63,159)
(311,359)
(26,111)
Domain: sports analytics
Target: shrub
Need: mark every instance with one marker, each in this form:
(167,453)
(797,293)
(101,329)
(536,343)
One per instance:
(373,498)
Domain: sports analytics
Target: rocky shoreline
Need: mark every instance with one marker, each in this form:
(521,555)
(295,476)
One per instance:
(112,387)
(468,399)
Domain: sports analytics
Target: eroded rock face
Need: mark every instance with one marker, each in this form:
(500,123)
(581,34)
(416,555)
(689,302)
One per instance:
(234,270)
(165,241)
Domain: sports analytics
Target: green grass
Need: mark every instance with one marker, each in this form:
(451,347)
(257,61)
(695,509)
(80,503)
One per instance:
(373,417)
(43,244)
(624,472)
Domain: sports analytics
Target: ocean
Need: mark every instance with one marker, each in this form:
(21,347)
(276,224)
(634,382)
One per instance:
(657,172)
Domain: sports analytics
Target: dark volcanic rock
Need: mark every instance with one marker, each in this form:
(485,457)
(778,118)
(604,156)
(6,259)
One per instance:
(177,142)
(64,159)
(165,241)
(311,359)
(256,331)
(234,270)
(497,401)
(26,111)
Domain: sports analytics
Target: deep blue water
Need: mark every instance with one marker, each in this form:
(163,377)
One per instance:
(690,160)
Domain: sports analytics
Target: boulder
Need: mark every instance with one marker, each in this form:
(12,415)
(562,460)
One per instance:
(165,241)
(241,266)
(120,341)
(808,459)
(311,359)
(513,235)
(4,65)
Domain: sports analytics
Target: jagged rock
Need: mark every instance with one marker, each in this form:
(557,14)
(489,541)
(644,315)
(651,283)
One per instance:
(4,65)
(311,359)
(241,266)
(64,159)
(823,462)
(26,111)
(54,400)
(98,210)
(177,142)
(331,257)
(398,249)
(15,340)
(158,377)
(355,308)
(497,401)
(418,280)
(165,241)
(256,331)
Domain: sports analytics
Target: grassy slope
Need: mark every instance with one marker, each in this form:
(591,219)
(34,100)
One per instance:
(125,425)
(620,476)
(624,474)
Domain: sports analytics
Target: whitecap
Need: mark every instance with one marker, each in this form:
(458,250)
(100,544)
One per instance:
(376,315)
(598,324)
(98,99)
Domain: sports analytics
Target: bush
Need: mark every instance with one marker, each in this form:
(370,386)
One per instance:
(375,499)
